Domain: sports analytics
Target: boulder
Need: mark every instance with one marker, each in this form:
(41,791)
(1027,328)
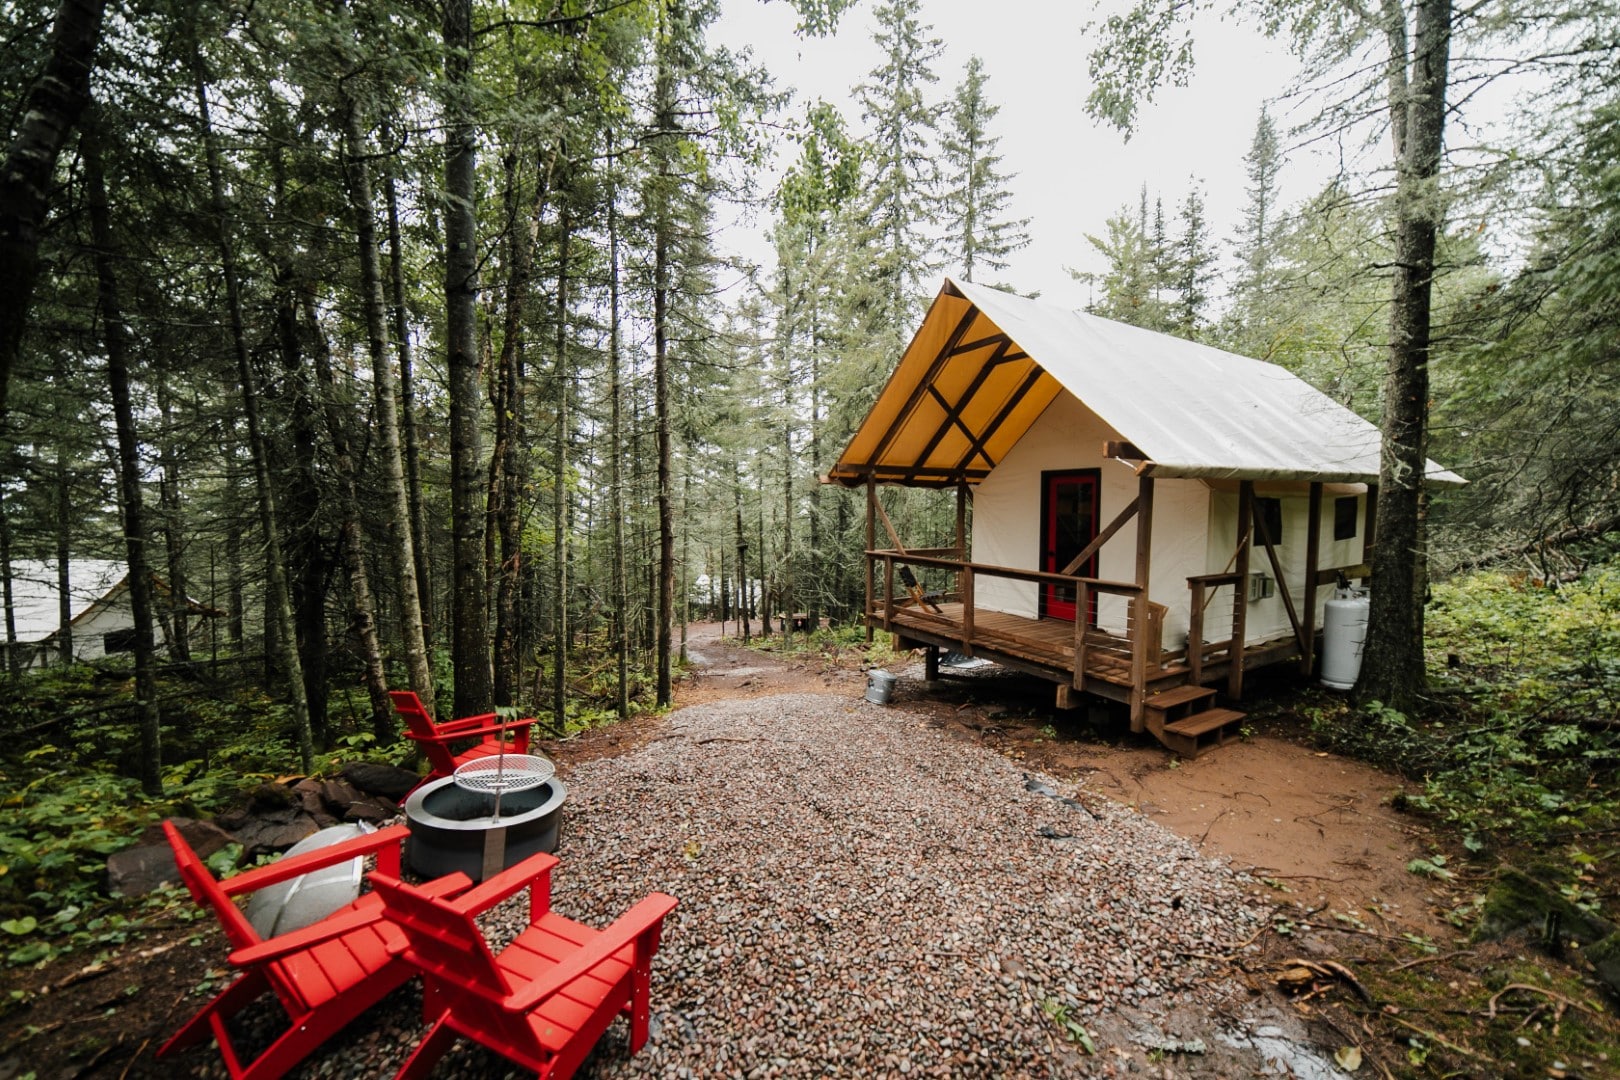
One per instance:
(137,871)
(377,779)
(339,795)
(1522,903)
(205,837)
(261,836)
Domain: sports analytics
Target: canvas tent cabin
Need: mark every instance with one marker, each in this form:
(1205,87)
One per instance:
(1191,503)
(98,608)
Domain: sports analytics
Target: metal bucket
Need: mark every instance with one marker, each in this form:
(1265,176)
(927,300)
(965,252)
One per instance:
(880,686)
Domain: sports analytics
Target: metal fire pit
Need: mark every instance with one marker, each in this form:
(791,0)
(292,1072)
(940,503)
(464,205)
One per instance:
(454,826)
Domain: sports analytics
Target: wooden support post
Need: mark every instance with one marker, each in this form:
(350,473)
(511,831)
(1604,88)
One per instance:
(961,533)
(1139,603)
(1313,555)
(967,609)
(931,663)
(888,592)
(871,542)
(1369,532)
(1195,635)
(1240,597)
(1082,605)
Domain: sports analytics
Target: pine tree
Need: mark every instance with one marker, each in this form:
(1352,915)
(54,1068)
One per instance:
(1193,266)
(1257,231)
(976,194)
(902,206)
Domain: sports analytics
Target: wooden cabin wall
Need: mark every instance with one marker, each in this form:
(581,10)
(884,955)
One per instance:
(1268,618)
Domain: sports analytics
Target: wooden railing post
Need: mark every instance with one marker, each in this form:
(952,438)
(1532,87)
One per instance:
(1195,634)
(1240,591)
(871,542)
(1082,605)
(1313,553)
(1139,605)
(967,608)
(888,591)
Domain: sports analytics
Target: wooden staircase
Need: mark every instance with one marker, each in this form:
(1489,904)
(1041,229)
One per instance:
(1186,721)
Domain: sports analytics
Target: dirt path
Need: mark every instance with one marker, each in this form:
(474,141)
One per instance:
(1316,829)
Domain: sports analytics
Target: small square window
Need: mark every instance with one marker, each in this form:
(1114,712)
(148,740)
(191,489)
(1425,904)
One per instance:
(118,641)
(1345,517)
(1268,521)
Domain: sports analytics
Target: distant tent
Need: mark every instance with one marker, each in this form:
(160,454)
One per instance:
(98,604)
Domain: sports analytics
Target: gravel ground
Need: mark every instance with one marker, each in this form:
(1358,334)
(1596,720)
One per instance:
(860,895)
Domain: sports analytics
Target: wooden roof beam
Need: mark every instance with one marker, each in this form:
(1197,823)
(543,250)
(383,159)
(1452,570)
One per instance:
(920,390)
(990,429)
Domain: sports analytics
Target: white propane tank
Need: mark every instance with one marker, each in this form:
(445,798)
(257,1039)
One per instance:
(1344,632)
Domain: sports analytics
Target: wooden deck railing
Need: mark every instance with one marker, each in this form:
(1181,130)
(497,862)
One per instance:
(887,602)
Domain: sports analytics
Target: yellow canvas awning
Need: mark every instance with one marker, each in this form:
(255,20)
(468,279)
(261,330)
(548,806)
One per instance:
(985,364)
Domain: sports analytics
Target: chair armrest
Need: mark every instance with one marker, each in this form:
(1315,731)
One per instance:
(287,869)
(534,871)
(336,925)
(645,916)
(442,736)
(465,726)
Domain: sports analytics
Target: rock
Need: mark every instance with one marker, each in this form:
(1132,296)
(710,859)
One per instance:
(1605,958)
(378,779)
(1519,902)
(261,836)
(205,837)
(367,810)
(338,795)
(137,871)
(271,797)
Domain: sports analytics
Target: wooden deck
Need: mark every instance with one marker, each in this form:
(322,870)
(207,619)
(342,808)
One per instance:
(1046,648)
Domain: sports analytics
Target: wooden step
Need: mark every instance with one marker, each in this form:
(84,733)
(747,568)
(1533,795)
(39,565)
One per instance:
(1181,695)
(1201,723)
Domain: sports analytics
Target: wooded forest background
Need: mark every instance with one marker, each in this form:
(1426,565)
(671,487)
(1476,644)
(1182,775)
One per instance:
(395,331)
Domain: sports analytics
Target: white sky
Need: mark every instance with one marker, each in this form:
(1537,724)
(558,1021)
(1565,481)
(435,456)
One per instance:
(1068,172)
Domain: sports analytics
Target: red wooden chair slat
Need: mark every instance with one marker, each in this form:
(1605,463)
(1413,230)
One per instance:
(496,736)
(546,999)
(324,975)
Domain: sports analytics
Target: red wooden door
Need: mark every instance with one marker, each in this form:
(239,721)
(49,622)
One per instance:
(1068,524)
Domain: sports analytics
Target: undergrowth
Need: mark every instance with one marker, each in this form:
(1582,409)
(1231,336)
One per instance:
(1519,743)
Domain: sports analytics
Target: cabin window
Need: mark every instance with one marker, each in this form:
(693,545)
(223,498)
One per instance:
(1345,517)
(117,641)
(1268,521)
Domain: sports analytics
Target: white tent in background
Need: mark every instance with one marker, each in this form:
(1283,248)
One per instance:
(98,605)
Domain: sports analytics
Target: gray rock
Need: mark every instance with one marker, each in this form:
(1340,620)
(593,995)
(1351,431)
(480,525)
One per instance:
(137,871)
(378,779)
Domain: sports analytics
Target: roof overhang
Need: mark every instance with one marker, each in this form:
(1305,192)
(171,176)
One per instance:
(985,364)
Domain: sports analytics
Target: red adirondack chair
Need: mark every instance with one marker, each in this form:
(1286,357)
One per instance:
(435,739)
(546,999)
(324,975)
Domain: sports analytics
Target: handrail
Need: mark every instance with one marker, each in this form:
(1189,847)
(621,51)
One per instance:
(1125,588)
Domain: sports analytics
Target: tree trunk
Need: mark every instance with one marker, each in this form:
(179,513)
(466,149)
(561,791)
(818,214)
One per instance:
(351,538)
(115,336)
(279,603)
(400,515)
(559,485)
(469,636)
(621,584)
(54,103)
(179,617)
(742,553)
(663,230)
(13,646)
(413,457)
(1392,668)
(65,523)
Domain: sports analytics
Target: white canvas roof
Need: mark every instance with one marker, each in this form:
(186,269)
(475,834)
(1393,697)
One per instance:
(34,593)
(986,363)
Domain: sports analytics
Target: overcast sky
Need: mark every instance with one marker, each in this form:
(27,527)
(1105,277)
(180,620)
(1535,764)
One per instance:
(1069,173)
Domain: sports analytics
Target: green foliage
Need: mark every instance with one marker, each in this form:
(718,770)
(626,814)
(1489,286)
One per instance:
(1522,742)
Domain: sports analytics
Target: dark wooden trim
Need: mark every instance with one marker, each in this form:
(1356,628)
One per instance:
(1139,604)
(1103,537)
(1276,569)
(1119,448)
(1240,589)
(1313,555)
(953,413)
(926,382)
(990,429)
(997,338)
(1047,476)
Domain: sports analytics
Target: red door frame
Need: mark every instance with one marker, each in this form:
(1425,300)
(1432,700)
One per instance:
(1053,606)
